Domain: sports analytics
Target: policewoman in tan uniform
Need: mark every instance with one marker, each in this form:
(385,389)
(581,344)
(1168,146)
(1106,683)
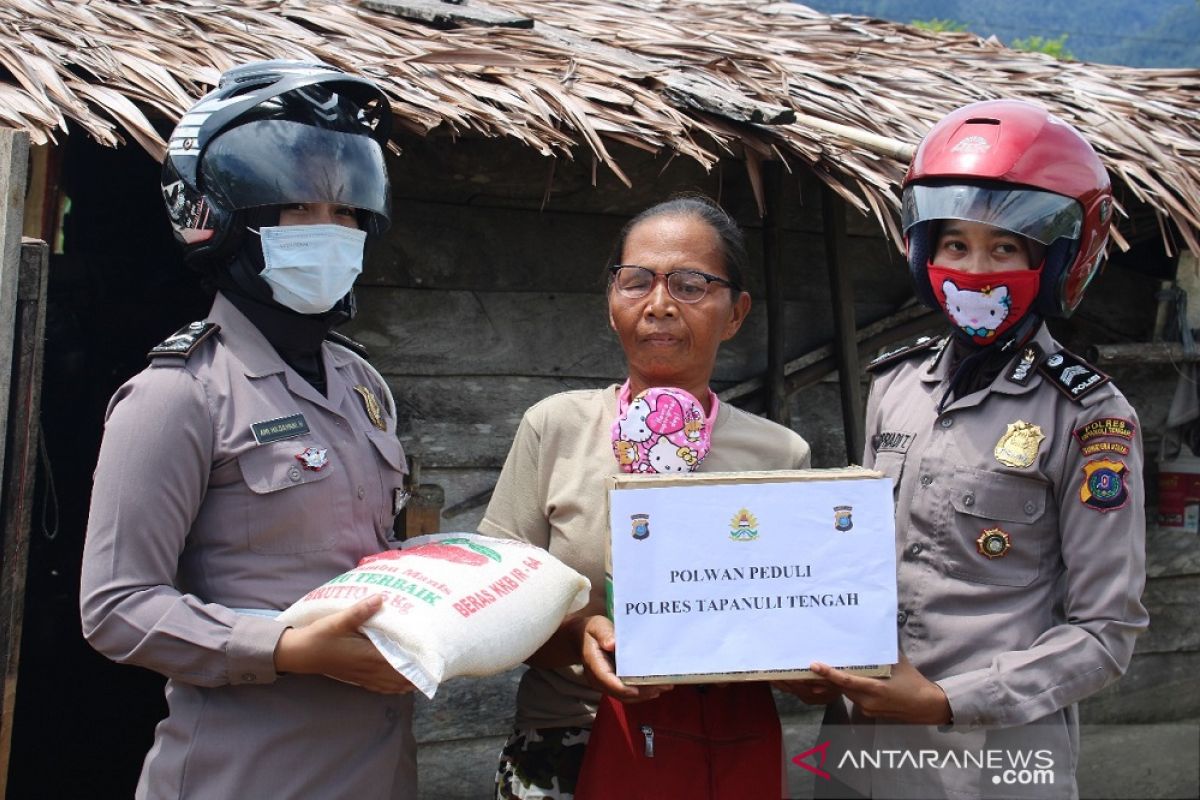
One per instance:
(1018,472)
(253,459)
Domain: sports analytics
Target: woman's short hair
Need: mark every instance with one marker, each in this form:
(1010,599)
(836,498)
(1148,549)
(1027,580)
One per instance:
(705,209)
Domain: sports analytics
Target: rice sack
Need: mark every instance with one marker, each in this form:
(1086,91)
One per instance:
(455,604)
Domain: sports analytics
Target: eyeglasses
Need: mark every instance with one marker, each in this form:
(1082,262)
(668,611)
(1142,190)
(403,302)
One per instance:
(685,285)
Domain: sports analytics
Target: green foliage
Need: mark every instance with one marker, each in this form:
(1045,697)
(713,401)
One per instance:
(940,25)
(1040,44)
(1146,33)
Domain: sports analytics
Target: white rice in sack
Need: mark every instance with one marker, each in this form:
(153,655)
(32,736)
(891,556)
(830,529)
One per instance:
(454,604)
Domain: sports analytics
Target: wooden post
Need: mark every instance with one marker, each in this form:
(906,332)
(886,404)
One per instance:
(14,167)
(845,350)
(777,398)
(41,201)
(423,512)
(23,436)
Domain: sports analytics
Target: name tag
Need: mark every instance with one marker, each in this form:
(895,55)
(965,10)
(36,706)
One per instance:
(274,430)
(892,442)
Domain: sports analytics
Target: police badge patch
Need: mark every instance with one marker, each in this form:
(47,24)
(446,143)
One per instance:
(1018,447)
(1103,485)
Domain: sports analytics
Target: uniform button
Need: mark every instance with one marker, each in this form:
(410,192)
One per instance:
(947,422)
(361,493)
(294,473)
(249,677)
(926,480)
(969,499)
(1030,507)
(901,618)
(916,549)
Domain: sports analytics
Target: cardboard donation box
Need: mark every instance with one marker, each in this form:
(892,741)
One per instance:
(751,575)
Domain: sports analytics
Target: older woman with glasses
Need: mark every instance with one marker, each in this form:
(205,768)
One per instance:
(674,294)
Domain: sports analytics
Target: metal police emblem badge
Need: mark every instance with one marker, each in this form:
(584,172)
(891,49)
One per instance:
(743,526)
(371,406)
(842,519)
(313,458)
(1018,447)
(641,526)
(1103,485)
(993,543)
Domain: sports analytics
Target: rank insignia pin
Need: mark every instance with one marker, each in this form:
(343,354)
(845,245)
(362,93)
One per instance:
(371,406)
(313,458)
(993,543)
(1018,447)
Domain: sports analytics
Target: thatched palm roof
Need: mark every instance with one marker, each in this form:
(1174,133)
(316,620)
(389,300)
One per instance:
(846,96)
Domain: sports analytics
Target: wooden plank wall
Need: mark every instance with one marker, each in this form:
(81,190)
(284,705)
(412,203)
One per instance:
(487,295)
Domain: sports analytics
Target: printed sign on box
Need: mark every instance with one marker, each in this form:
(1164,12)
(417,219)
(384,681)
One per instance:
(752,575)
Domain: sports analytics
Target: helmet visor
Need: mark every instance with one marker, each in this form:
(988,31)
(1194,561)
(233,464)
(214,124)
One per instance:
(278,162)
(1042,216)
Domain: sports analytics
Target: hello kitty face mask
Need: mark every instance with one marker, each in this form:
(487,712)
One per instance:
(662,430)
(984,305)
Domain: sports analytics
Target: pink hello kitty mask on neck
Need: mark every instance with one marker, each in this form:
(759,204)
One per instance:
(662,430)
(984,305)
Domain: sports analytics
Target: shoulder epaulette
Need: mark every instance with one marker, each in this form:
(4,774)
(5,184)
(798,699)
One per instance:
(1071,375)
(903,353)
(345,341)
(183,342)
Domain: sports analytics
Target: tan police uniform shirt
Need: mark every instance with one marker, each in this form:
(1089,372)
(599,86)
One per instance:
(193,518)
(1020,539)
(552,493)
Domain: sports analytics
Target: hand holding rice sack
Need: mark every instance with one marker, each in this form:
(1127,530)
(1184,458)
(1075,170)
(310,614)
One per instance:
(454,604)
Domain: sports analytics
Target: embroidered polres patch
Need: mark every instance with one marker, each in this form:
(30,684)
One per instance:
(1105,428)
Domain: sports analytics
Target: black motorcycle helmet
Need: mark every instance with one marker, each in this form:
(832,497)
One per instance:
(274,133)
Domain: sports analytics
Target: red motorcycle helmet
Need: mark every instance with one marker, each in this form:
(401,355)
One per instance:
(1012,164)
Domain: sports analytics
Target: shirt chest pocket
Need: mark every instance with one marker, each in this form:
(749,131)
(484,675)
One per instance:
(891,464)
(291,504)
(392,469)
(997,528)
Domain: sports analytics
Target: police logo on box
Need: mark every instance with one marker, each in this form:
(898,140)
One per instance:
(641,526)
(843,519)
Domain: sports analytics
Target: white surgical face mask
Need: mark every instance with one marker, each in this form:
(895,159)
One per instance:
(310,267)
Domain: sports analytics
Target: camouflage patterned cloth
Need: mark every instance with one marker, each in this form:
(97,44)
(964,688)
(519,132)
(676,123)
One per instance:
(541,763)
